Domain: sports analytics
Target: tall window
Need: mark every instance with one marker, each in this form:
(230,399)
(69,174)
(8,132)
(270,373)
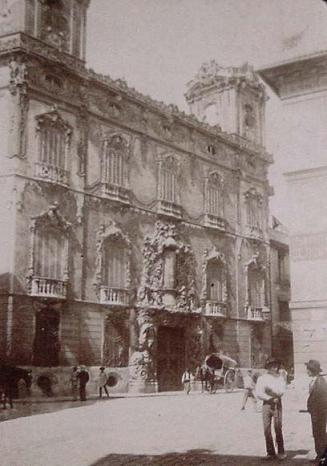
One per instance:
(256,288)
(282,266)
(213,195)
(115,152)
(54,138)
(50,254)
(115,265)
(254,204)
(215,283)
(168,180)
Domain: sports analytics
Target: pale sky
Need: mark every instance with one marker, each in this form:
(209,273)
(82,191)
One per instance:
(158,45)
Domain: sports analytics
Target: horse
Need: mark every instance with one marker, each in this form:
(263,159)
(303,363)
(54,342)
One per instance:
(9,378)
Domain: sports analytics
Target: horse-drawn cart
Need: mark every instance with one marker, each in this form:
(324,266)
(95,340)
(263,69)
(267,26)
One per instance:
(220,372)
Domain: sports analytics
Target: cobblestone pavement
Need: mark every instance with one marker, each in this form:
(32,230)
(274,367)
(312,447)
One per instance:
(167,429)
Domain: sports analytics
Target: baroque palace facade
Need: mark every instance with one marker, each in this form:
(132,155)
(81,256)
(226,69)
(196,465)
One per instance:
(133,235)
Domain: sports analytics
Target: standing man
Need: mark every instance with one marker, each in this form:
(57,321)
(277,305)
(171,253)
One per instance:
(74,382)
(186,381)
(270,388)
(317,406)
(103,382)
(249,387)
(83,377)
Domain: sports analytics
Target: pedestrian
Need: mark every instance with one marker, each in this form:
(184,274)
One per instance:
(83,377)
(317,406)
(270,388)
(249,386)
(74,382)
(200,376)
(186,381)
(102,381)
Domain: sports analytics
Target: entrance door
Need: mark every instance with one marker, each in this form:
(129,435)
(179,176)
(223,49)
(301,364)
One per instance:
(171,358)
(46,342)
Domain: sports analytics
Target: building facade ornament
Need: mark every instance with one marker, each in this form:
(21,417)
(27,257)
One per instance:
(152,288)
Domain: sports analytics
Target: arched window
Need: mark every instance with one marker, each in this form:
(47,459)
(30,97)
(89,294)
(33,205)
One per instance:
(255,300)
(254,212)
(167,180)
(114,172)
(48,272)
(168,194)
(54,136)
(214,283)
(214,201)
(113,266)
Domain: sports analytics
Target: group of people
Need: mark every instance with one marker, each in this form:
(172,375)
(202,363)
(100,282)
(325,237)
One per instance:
(205,375)
(79,379)
(270,388)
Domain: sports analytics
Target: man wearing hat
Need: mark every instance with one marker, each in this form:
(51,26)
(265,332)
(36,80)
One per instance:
(317,406)
(270,388)
(102,381)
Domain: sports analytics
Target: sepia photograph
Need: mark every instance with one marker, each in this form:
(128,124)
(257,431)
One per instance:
(163,232)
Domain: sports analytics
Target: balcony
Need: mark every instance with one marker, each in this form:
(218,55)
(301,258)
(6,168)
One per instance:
(51,173)
(216,309)
(254,232)
(169,208)
(214,221)
(114,296)
(115,192)
(254,314)
(49,288)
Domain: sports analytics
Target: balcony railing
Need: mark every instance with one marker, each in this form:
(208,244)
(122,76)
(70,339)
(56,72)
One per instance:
(214,221)
(116,192)
(169,208)
(216,309)
(51,173)
(49,288)
(255,313)
(114,296)
(254,232)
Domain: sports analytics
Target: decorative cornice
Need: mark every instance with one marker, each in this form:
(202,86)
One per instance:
(211,75)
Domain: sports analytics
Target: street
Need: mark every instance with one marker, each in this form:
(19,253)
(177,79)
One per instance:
(162,429)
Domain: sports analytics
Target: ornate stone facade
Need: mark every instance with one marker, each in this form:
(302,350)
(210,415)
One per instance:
(149,204)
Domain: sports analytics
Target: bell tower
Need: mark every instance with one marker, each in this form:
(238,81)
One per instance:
(231,98)
(60,24)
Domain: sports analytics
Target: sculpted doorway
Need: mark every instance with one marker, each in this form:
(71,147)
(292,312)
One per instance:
(170,358)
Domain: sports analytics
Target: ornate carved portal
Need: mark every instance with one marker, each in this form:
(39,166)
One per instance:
(141,364)
(168,277)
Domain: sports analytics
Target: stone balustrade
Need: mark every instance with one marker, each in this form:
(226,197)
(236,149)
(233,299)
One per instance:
(213,221)
(255,313)
(216,309)
(115,192)
(169,208)
(49,288)
(51,173)
(114,296)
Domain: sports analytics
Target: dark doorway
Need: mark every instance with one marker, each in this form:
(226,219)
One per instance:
(171,358)
(46,342)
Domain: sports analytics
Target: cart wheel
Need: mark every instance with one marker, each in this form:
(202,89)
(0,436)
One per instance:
(230,380)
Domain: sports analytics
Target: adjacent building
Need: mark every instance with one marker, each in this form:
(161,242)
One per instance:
(133,235)
(301,83)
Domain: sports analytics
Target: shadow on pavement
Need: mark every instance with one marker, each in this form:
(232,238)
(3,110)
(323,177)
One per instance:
(31,408)
(199,457)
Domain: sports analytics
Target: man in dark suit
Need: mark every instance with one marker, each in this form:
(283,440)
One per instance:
(317,406)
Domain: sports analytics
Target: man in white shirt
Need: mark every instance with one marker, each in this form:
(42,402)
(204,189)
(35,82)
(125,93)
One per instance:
(270,388)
